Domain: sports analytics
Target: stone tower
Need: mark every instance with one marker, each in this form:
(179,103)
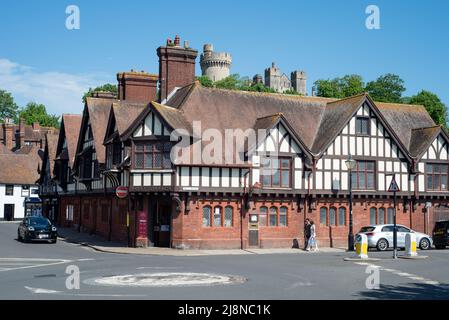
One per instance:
(299,79)
(215,65)
(275,79)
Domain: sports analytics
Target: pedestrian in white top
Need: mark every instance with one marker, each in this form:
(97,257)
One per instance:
(312,243)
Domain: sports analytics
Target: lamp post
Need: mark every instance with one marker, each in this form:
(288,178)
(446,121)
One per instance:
(350,164)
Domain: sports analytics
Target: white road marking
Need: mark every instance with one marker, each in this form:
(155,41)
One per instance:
(49,291)
(27,263)
(85,260)
(401,274)
(157,268)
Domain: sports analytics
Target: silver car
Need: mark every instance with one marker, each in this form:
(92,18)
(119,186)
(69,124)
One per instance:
(381,237)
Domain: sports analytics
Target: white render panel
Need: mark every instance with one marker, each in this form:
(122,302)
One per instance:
(215,177)
(166,179)
(352,145)
(359,146)
(225,178)
(157,179)
(404,182)
(337,144)
(366,148)
(373,126)
(381,182)
(319,179)
(387,148)
(397,167)
(138,132)
(374,147)
(330,150)
(360,112)
(298,163)
(298,179)
(421,183)
(205,177)
(235,178)
(137,180)
(432,154)
(195,177)
(344,181)
(256,175)
(344,141)
(327,164)
(380,147)
(345,130)
(327,181)
(336,164)
(352,126)
(412,184)
(319,164)
(148,125)
(147,180)
(285,147)
(270,144)
(185,177)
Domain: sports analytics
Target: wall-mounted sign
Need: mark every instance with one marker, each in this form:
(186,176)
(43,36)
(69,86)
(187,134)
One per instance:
(121,192)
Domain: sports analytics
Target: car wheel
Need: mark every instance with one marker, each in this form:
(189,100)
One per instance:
(424,244)
(382,245)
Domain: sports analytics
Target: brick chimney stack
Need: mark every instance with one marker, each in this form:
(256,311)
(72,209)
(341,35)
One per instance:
(20,136)
(176,66)
(137,86)
(8,134)
(36,126)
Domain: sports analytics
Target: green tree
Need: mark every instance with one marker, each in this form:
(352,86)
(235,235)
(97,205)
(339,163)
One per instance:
(106,87)
(351,85)
(8,108)
(387,88)
(433,105)
(329,88)
(232,82)
(292,92)
(205,81)
(36,112)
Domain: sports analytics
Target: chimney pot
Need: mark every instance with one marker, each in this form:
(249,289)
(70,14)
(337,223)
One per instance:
(177,41)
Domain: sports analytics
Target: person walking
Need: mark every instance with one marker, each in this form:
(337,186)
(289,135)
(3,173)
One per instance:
(306,233)
(312,240)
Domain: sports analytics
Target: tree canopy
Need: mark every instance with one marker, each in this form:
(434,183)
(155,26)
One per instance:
(36,112)
(8,108)
(386,88)
(340,88)
(433,105)
(106,87)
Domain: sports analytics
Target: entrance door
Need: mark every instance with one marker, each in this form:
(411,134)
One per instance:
(253,229)
(8,212)
(161,225)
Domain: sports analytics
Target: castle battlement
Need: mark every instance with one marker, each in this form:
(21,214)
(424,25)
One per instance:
(215,65)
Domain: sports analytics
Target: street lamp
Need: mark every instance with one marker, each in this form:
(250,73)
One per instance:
(350,164)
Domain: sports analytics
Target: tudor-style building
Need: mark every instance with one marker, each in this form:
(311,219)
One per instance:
(294,170)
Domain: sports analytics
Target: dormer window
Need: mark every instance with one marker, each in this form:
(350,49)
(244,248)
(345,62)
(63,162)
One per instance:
(362,126)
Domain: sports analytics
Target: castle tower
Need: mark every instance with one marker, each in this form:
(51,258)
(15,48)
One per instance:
(275,79)
(299,82)
(215,65)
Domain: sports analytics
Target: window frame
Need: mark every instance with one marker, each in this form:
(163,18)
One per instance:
(9,190)
(211,217)
(161,148)
(357,172)
(273,170)
(368,125)
(435,174)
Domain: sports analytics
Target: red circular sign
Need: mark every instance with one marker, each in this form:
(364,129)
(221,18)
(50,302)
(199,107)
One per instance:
(121,192)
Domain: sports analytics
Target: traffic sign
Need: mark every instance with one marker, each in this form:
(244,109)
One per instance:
(121,192)
(393,186)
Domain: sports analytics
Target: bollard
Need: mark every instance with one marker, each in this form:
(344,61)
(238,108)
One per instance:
(410,245)
(361,246)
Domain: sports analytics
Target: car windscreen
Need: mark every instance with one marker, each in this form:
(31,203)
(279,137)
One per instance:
(39,221)
(367,229)
(442,225)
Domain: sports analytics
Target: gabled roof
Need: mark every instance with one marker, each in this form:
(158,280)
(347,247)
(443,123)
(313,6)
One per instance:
(422,138)
(122,114)
(70,129)
(96,111)
(335,117)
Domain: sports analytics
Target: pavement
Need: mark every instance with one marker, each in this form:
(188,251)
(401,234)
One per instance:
(100,244)
(35,271)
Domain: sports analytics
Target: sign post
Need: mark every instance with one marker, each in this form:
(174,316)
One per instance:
(394,188)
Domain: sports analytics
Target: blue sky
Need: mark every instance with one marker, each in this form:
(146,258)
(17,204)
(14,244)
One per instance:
(42,61)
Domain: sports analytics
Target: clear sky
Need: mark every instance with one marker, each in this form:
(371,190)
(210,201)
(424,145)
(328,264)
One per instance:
(42,61)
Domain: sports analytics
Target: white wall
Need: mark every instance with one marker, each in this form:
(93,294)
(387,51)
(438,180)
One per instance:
(16,199)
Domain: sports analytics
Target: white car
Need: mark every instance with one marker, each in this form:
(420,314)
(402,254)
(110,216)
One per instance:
(381,237)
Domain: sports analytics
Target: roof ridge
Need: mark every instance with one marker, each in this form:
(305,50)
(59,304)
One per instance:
(431,127)
(277,114)
(364,94)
